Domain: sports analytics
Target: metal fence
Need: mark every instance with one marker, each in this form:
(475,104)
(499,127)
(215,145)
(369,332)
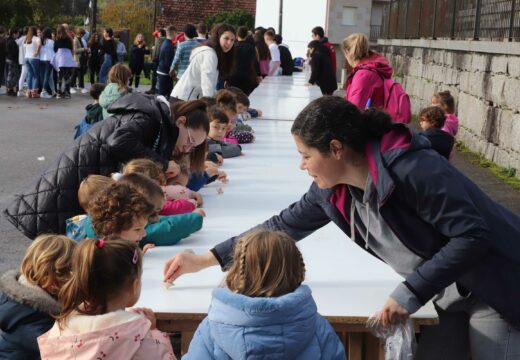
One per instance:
(452,19)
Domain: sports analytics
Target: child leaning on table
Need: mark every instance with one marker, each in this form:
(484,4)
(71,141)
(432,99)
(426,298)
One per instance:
(265,311)
(129,209)
(28,298)
(154,171)
(93,324)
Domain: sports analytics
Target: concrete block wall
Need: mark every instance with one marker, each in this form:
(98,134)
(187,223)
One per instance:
(486,86)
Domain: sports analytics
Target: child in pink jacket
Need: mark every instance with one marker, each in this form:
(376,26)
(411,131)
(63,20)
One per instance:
(445,100)
(368,71)
(106,279)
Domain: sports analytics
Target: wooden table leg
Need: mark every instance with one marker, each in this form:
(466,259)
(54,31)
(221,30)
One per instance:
(355,346)
(186,337)
(374,348)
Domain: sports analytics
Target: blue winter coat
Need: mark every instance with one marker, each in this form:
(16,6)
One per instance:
(285,327)
(437,213)
(25,314)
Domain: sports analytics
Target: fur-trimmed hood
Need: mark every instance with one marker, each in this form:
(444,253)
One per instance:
(29,295)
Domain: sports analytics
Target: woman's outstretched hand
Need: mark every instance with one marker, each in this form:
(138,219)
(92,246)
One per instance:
(393,313)
(186,262)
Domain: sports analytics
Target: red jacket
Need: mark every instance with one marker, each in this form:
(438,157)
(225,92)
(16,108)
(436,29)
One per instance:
(367,84)
(332,53)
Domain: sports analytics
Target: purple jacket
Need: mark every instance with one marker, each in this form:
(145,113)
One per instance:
(437,213)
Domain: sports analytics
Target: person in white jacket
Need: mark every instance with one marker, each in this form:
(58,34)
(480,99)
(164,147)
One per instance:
(208,65)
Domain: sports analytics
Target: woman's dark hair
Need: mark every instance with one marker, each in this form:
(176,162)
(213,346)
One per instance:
(314,44)
(190,31)
(262,48)
(208,100)
(46,34)
(100,270)
(109,31)
(218,114)
(226,61)
(13,31)
(94,38)
(242,32)
(196,118)
(333,118)
(61,33)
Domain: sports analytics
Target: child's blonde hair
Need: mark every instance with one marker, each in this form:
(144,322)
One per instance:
(266,264)
(101,270)
(146,167)
(90,187)
(120,74)
(47,262)
(356,47)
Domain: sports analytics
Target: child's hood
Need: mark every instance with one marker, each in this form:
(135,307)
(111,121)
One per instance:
(27,294)
(116,335)
(281,326)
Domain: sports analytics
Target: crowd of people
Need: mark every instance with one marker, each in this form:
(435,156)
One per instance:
(130,181)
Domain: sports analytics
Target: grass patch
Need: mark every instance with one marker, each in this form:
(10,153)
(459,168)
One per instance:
(505,174)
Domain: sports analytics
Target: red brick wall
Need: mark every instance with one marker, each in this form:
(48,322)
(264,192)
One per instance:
(180,12)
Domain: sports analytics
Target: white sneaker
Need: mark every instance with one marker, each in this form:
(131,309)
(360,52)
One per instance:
(21,93)
(136,90)
(45,95)
(73,91)
(84,91)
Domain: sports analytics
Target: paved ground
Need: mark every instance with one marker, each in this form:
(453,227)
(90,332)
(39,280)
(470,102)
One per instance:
(34,132)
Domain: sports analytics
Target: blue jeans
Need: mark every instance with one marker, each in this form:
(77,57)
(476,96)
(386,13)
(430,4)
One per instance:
(33,73)
(46,76)
(105,68)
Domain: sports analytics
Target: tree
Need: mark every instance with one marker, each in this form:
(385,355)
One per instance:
(136,15)
(235,17)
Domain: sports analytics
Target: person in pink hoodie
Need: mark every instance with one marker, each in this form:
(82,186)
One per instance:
(445,100)
(93,324)
(369,68)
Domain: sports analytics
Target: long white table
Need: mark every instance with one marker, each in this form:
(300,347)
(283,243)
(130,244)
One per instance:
(347,283)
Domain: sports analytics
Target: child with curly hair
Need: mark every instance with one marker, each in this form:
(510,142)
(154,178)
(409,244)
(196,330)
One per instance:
(265,310)
(94,323)
(129,209)
(28,297)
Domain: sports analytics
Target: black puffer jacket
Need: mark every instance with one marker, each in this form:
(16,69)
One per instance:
(140,127)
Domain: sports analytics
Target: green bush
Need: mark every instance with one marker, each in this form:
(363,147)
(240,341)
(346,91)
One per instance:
(235,17)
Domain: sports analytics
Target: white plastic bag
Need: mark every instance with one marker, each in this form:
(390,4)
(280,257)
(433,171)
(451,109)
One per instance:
(399,338)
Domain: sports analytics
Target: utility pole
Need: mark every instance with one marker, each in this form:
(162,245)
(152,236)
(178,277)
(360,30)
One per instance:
(93,4)
(280,18)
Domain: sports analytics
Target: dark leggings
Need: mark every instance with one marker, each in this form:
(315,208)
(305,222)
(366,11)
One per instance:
(65,77)
(136,76)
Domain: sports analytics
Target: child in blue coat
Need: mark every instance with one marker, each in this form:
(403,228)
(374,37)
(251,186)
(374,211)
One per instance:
(265,311)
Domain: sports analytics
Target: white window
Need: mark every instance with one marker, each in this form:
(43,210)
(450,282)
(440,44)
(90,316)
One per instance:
(349,16)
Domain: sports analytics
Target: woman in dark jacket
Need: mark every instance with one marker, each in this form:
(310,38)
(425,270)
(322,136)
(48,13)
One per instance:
(95,58)
(139,50)
(109,54)
(399,200)
(140,127)
(321,68)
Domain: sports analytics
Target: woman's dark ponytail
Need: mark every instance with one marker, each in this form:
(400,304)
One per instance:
(333,118)
(376,122)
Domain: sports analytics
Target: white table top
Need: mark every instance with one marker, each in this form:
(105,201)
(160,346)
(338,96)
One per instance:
(345,280)
(283,97)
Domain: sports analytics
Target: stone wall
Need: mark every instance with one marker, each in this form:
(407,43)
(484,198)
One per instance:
(484,78)
(180,12)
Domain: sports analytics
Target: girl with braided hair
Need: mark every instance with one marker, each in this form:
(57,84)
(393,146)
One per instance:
(265,310)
